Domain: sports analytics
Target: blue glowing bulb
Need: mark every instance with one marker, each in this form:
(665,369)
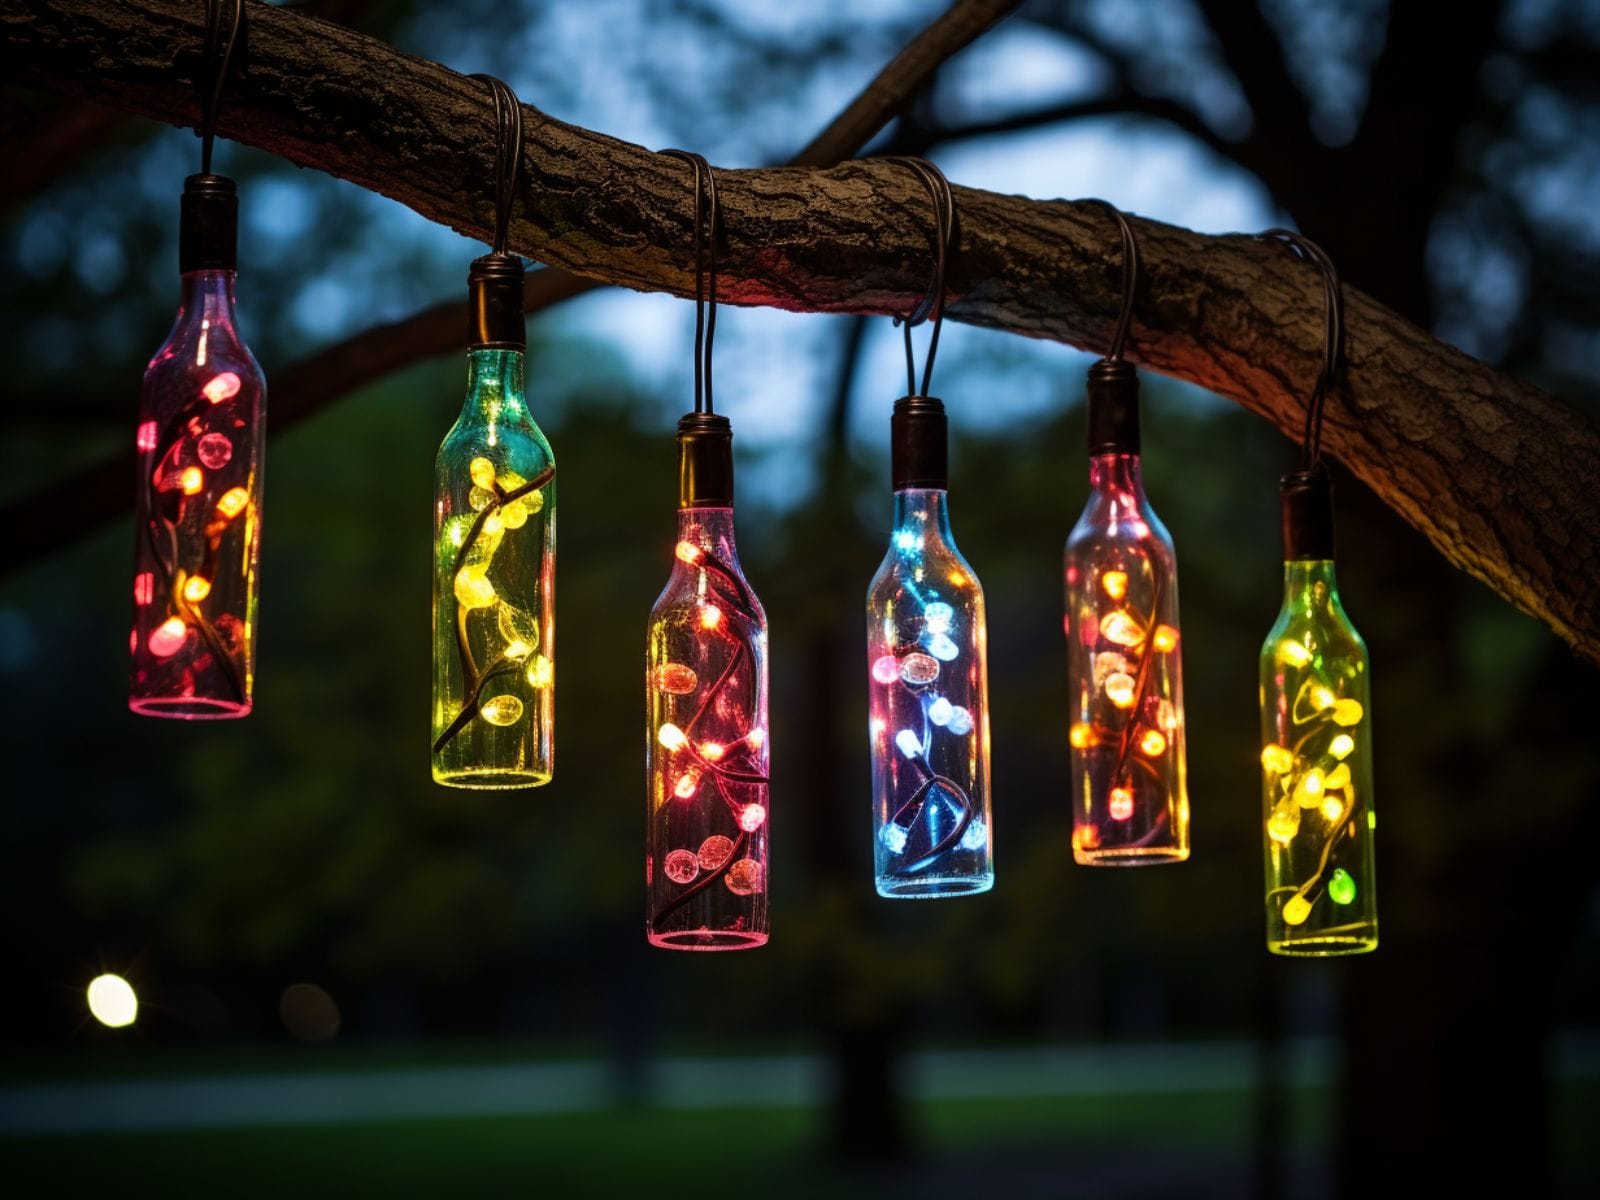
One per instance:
(894,837)
(938,615)
(960,722)
(942,647)
(940,710)
(910,744)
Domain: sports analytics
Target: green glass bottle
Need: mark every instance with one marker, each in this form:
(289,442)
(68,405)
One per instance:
(494,561)
(1316,757)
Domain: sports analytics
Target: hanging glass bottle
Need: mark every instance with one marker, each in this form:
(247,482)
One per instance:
(199,439)
(494,538)
(927,651)
(706,744)
(1129,793)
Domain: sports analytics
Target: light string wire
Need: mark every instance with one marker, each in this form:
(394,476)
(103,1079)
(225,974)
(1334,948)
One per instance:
(508,156)
(218,61)
(1130,279)
(932,302)
(1304,248)
(706,228)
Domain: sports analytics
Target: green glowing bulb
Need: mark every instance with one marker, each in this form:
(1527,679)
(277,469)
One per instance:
(1341,887)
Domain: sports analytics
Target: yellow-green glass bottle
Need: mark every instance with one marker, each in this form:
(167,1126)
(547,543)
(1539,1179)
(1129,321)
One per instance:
(494,561)
(1316,756)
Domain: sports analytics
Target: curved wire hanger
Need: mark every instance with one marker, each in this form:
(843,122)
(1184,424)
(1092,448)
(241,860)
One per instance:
(1130,279)
(218,60)
(1333,337)
(932,302)
(508,156)
(705,272)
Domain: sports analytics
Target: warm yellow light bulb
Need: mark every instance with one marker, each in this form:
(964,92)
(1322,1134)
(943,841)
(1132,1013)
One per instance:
(1153,743)
(1081,735)
(672,737)
(1115,584)
(688,552)
(1332,808)
(196,588)
(1296,909)
(1347,712)
(1277,759)
(1337,779)
(1120,689)
(232,502)
(1293,653)
(1284,823)
(541,672)
(1121,628)
(712,751)
(1321,698)
(710,617)
(688,784)
(1308,791)
(482,472)
(1164,639)
(193,480)
(1341,746)
(112,1001)
(473,589)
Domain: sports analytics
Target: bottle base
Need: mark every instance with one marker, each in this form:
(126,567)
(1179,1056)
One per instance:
(189,708)
(1131,856)
(491,779)
(1325,945)
(932,887)
(707,939)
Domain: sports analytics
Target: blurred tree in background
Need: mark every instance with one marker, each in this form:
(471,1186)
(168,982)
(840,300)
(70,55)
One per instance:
(1446,162)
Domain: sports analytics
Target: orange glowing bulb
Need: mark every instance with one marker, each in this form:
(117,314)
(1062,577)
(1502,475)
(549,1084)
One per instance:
(672,737)
(1115,584)
(1081,735)
(1121,803)
(712,751)
(1164,639)
(192,480)
(710,617)
(688,552)
(1153,743)
(196,589)
(688,784)
(232,502)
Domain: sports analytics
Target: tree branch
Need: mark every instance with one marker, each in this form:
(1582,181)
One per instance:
(1502,479)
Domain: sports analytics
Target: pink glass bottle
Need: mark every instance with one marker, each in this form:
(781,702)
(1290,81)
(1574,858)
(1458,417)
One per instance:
(1130,801)
(197,506)
(706,745)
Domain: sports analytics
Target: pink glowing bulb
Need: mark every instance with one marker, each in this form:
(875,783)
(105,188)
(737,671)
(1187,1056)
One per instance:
(144,587)
(168,637)
(752,817)
(886,669)
(221,387)
(145,439)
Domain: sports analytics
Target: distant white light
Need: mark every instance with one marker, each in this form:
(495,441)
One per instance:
(112,1001)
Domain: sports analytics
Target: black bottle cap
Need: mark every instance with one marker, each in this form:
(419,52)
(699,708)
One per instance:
(705,461)
(494,304)
(1307,516)
(919,453)
(208,228)
(1113,408)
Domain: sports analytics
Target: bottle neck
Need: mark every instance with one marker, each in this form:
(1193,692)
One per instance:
(206,295)
(1309,585)
(709,529)
(1116,473)
(494,387)
(921,514)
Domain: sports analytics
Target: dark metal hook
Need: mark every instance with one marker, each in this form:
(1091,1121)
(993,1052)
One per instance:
(1332,338)
(705,273)
(508,156)
(218,59)
(944,214)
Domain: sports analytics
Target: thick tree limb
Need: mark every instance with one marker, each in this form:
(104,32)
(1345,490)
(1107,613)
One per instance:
(1503,480)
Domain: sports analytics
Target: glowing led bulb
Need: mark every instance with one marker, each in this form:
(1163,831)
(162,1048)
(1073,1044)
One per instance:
(232,502)
(688,784)
(1164,639)
(1276,759)
(1296,909)
(939,711)
(473,589)
(672,737)
(196,588)
(1121,806)
(1081,735)
(752,817)
(943,647)
(960,722)
(1341,746)
(1120,689)
(1115,584)
(192,481)
(1308,791)
(908,743)
(481,471)
(168,638)
(1284,823)
(1152,744)
(1346,712)
(938,616)
(222,387)
(688,552)
(501,710)
(1119,628)
(885,669)
(1293,653)
(710,617)
(1341,887)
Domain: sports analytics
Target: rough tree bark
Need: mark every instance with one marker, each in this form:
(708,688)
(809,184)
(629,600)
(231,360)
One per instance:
(1501,478)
